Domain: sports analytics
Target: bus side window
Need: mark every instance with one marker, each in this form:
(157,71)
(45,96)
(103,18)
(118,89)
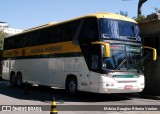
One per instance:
(66,33)
(94,62)
(89,30)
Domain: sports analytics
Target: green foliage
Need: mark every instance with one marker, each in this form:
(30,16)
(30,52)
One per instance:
(124,13)
(139,17)
(2,35)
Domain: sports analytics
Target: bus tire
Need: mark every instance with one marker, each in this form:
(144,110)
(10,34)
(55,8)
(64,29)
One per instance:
(13,79)
(71,86)
(19,80)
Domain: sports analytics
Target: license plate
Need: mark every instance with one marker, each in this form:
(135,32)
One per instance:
(128,87)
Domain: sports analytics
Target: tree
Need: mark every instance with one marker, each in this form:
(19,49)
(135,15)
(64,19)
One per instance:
(139,18)
(140,3)
(124,13)
(2,35)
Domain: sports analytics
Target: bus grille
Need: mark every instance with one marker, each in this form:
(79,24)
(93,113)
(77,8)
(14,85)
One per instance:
(134,81)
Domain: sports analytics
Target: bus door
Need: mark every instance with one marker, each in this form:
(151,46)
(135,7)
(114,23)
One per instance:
(90,66)
(91,53)
(83,67)
(94,66)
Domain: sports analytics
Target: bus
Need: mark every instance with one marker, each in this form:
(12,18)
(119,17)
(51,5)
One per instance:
(99,53)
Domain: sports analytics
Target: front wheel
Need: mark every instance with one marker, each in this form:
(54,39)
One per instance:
(71,86)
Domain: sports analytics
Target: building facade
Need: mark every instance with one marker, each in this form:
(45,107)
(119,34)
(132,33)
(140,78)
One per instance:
(11,31)
(4,27)
(150,32)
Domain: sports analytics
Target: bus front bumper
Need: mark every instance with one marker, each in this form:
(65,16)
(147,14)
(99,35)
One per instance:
(120,88)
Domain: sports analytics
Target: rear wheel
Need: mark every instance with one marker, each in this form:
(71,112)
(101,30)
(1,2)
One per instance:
(19,80)
(71,86)
(13,79)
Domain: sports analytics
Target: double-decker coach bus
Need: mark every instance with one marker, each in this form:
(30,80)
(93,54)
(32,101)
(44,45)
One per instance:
(99,53)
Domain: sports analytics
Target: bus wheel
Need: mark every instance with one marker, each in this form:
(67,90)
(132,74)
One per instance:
(13,80)
(71,86)
(19,80)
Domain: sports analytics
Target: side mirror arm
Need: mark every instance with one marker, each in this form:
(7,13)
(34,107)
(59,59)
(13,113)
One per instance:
(106,47)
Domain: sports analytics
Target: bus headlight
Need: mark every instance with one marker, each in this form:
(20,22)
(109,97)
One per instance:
(109,84)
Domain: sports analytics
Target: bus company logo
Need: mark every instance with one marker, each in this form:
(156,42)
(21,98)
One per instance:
(48,49)
(15,52)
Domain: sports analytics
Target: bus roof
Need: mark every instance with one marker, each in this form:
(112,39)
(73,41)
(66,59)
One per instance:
(97,15)
(38,27)
(112,16)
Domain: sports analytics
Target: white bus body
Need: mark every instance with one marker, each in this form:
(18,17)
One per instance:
(54,72)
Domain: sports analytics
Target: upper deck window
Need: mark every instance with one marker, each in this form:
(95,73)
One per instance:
(118,29)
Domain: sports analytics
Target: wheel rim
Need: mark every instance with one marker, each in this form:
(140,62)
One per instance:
(13,80)
(72,87)
(18,82)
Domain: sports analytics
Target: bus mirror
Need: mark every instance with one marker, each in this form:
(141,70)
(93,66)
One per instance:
(106,47)
(154,51)
(154,54)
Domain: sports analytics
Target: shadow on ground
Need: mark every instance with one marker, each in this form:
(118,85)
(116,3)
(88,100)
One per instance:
(45,94)
(146,96)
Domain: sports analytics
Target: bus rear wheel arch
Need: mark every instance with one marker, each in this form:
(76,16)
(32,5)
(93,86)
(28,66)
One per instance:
(71,85)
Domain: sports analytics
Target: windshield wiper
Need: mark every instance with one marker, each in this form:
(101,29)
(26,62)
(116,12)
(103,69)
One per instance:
(105,36)
(124,60)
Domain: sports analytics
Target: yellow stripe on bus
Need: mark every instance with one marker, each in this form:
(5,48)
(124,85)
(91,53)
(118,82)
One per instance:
(56,48)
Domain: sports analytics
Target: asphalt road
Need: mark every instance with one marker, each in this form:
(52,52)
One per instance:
(40,98)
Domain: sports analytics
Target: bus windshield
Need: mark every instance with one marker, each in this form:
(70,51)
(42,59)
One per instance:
(124,58)
(119,30)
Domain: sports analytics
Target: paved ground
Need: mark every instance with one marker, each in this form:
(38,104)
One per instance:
(43,97)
